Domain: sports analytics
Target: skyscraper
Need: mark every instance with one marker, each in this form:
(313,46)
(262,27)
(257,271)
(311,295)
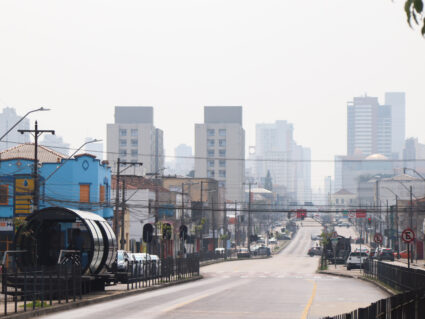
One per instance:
(397,100)
(184,162)
(8,118)
(220,149)
(134,138)
(369,127)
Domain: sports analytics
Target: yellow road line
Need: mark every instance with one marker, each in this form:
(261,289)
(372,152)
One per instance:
(310,302)
(186,303)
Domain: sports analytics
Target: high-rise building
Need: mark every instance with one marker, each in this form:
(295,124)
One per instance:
(397,101)
(55,143)
(369,127)
(134,138)
(184,162)
(8,118)
(220,149)
(288,163)
(414,154)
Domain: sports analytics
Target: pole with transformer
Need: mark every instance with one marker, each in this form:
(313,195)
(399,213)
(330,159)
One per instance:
(36,133)
(123,241)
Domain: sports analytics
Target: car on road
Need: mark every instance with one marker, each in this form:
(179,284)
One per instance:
(356,259)
(385,254)
(316,237)
(315,251)
(261,251)
(243,253)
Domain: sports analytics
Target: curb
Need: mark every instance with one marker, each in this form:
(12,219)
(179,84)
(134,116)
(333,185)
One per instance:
(82,303)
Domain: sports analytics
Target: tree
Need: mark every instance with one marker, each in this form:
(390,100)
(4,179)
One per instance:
(268,184)
(414,9)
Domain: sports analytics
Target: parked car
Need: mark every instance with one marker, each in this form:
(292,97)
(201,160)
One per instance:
(262,251)
(356,259)
(386,254)
(315,251)
(243,253)
(272,241)
(122,260)
(403,254)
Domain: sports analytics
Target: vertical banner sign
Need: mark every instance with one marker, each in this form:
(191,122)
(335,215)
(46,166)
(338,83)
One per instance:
(360,213)
(24,192)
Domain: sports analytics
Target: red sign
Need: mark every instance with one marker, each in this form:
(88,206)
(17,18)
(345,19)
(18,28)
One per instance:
(378,238)
(301,213)
(360,213)
(408,235)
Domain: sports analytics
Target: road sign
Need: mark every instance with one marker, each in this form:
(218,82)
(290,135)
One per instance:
(334,235)
(408,235)
(360,213)
(378,238)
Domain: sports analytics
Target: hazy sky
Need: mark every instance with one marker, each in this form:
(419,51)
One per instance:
(299,61)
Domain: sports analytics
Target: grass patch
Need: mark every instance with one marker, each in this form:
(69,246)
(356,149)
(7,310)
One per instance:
(37,304)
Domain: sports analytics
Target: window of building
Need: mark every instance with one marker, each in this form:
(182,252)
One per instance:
(210,163)
(222,143)
(123,132)
(337,201)
(222,173)
(123,143)
(134,132)
(210,143)
(123,153)
(211,174)
(222,132)
(210,132)
(84,193)
(222,153)
(134,142)
(351,201)
(210,153)
(222,163)
(134,152)
(342,200)
(4,194)
(222,184)
(102,194)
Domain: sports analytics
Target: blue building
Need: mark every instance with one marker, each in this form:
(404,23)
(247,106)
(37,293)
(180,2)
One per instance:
(81,182)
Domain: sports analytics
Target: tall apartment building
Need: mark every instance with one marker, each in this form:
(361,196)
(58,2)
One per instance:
(397,101)
(184,162)
(134,138)
(277,152)
(369,127)
(8,118)
(220,149)
(414,154)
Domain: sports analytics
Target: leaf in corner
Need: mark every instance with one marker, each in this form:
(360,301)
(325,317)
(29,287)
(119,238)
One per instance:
(418,5)
(423,29)
(407,6)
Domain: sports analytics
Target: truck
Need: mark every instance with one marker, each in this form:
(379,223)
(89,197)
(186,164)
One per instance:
(340,252)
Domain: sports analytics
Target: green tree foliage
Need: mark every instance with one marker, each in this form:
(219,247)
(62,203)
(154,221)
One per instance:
(414,10)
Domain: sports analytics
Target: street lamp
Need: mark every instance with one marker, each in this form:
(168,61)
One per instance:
(22,118)
(396,211)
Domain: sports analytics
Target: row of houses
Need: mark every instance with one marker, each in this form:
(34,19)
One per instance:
(83,182)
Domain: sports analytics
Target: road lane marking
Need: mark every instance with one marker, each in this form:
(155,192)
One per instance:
(185,303)
(310,302)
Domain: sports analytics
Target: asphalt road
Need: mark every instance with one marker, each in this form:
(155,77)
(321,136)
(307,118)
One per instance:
(285,286)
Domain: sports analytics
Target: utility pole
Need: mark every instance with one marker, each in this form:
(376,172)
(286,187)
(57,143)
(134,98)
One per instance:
(249,218)
(182,223)
(411,221)
(117,197)
(236,225)
(123,216)
(213,221)
(202,217)
(36,133)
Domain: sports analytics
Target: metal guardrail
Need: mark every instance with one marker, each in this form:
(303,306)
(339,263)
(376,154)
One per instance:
(409,304)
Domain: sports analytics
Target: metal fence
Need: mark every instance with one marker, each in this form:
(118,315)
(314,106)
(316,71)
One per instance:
(408,305)
(398,277)
(147,273)
(28,289)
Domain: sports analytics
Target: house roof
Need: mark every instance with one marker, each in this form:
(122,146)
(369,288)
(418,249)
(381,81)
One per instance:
(402,177)
(343,191)
(26,151)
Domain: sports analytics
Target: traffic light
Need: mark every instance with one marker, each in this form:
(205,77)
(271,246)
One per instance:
(147,233)
(166,231)
(183,232)
(369,221)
